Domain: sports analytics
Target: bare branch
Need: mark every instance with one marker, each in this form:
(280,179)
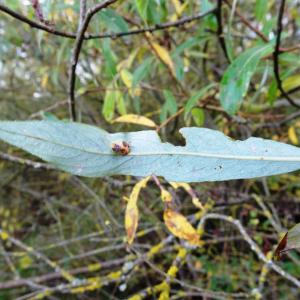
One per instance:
(26,162)
(82,12)
(72,35)
(34,24)
(220,33)
(252,245)
(276,54)
(17,283)
(76,51)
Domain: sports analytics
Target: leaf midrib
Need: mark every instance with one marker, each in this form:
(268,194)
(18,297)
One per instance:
(177,153)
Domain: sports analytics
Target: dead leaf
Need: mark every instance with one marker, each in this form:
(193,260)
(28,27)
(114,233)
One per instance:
(132,212)
(180,227)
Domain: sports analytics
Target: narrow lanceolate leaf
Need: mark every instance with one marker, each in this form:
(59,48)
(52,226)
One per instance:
(291,240)
(209,155)
(135,119)
(164,55)
(236,79)
(180,227)
(132,212)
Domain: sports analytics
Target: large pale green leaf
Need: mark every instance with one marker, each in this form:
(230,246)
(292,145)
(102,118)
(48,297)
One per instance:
(208,155)
(236,79)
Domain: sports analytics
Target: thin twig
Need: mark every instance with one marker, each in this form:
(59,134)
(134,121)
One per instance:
(50,108)
(72,35)
(38,255)
(220,33)
(248,23)
(17,283)
(35,24)
(252,244)
(276,54)
(27,162)
(76,51)
(82,12)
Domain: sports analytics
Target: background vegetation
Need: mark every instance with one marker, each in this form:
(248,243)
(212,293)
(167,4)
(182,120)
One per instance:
(63,235)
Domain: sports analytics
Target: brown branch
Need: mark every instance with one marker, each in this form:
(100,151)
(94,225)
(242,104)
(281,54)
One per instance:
(254,247)
(76,51)
(34,24)
(82,12)
(26,162)
(220,33)
(276,54)
(72,35)
(38,12)
(248,24)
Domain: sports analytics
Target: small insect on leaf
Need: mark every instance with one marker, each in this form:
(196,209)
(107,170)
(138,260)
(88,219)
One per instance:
(180,227)
(121,148)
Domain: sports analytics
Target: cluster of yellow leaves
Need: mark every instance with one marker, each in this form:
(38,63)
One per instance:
(176,223)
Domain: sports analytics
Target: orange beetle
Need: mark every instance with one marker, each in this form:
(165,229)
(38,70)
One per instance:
(121,148)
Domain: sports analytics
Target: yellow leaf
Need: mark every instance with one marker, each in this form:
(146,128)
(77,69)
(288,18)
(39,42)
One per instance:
(165,291)
(135,119)
(164,56)
(180,227)
(4,235)
(70,14)
(177,185)
(166,196)
(179,8)
(127,78)
(293,135)
(188,189)
(127,63)
(291,82)
(172,271)
(132,213)
(25,262)
(197,202)
(44,81)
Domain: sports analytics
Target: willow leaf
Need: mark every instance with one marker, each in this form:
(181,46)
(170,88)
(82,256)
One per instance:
(209,155)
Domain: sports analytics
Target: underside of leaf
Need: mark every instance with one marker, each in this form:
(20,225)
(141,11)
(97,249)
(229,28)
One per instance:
(209,155)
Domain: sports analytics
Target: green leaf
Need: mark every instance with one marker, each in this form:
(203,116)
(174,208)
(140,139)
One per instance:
(261,9)
(120,103)
(113,21)
(142,7)
(272,92)
(49,116)
(236,79)
(169,107)
(109,59)
(198,116)
(141,71)
(208,155)
(170,103)
(110,101)
(193,100)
